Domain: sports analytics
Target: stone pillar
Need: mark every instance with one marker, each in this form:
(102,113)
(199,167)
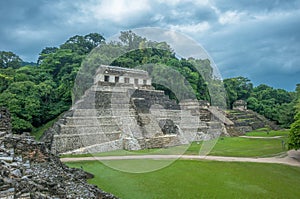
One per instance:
(131,80)
(121,79)
(112,78)
(149,82)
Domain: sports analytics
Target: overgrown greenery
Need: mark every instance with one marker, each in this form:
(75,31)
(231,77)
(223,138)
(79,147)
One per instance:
(198,179)
(36,94)
(294,142)
(274,104)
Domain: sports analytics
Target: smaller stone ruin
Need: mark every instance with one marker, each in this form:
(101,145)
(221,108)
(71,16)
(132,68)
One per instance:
(246,120)
(239,105)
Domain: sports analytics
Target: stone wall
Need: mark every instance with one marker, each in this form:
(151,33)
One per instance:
(159,142)
(144,99)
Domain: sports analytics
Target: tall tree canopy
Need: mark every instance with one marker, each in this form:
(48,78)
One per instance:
(237,88)
(294,138)
(275,104)
(9,59)
(38,94)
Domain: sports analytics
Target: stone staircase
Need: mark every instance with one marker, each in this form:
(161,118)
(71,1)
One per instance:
(248,120)
(94,123)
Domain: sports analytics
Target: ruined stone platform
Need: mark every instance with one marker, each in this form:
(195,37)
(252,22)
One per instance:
(123,111)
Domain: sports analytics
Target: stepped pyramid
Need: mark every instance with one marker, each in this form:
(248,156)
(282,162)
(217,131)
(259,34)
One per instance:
(245,120)
(248,120)
(123,111)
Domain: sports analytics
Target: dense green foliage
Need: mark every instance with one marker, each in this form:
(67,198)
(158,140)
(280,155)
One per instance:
(294,142)
(38,93)
(237,88)
(198,179)
(275,104)
(164,75)
(10,60)
(162,64)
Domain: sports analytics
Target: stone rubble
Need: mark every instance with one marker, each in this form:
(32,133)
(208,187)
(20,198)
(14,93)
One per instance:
(29,170)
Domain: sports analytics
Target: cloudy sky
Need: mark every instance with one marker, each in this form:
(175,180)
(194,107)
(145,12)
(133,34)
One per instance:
(258,39)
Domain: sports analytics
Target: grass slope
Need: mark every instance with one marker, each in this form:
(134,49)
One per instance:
(226,146)
(247,147)
(199,179)
(269,134)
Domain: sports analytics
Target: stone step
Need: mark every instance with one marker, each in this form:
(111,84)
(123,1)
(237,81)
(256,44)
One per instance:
(63,143)
(90,129)
(245,116)
(98,148)
(97,121)
(103,106)
(214,125)
(85,112)
(184,124)
(184,128)
(241,114)
(243,119)
(86,106)
(95,135)
(104,112)
(120,106)
(243,122)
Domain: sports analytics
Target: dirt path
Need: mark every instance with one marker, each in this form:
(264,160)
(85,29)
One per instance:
(259,137)
(292,158)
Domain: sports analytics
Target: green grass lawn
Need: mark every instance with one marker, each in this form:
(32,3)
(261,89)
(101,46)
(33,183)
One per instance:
(248,147)
(198,179)
(270,134)
(226,146)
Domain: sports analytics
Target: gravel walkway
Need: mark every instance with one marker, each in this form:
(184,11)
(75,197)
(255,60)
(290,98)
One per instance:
(260,137)
(292,158)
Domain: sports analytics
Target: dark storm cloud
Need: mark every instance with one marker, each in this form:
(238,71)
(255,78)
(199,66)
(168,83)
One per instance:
(27,26)
(184,12)
(256,39)
(257,5)
(268,46)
